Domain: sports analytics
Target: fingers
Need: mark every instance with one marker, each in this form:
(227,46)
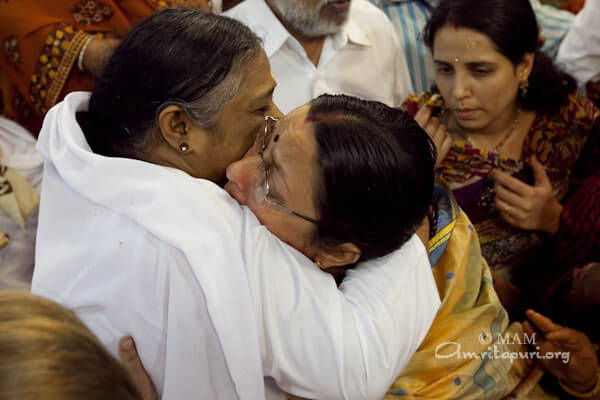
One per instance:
(513,184)
(563,336)
(132,363)
(127,351)
(510,213)
(444,147)
(426,121)
(571,338)
(528,328)
(436,130)
(422,116)
(539,172)
(507,196)
(544,324)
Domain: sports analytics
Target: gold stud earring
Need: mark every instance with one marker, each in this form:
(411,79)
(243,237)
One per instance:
(318,264)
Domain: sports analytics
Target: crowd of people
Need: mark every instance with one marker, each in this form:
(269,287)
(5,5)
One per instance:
(299,199)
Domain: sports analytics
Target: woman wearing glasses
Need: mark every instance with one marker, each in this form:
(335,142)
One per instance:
(135,236)
(356,190)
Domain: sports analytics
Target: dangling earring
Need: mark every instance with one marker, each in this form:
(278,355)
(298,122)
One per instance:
(183,147)
(523,86)
(318,264)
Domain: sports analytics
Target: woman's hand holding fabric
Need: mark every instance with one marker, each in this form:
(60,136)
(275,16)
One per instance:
(579,370)
(528,207)
(436,130)
(132,363)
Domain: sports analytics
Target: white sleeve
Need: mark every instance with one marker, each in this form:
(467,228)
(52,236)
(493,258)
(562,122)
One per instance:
(318,341)
(579,53)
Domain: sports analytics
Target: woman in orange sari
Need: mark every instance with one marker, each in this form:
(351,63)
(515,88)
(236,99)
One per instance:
(52,48)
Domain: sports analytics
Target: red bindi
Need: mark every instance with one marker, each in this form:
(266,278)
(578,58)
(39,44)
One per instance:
(275,138)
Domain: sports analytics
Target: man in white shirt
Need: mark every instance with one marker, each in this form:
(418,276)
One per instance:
(325,46)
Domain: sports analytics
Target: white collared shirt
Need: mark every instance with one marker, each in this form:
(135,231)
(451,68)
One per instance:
(364,59)
(215,302)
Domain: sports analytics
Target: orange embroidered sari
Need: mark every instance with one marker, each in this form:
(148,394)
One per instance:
(41,42)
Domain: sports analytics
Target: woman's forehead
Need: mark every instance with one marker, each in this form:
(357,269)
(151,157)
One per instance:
(459,39)
(296,141)
(292,121)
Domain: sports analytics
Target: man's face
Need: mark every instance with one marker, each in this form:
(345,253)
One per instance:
(312,18)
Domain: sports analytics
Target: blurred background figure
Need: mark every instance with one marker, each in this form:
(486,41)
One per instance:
(579,53)
(20,181)
(53,48)
(46,352)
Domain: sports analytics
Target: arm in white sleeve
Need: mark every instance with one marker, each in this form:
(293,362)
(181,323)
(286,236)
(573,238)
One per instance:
(318,341)
(579,53)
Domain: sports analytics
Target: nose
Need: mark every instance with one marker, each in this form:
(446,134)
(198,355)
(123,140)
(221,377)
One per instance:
(242,176)
(461,87)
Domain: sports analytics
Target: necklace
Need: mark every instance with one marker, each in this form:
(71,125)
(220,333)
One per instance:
(504,139)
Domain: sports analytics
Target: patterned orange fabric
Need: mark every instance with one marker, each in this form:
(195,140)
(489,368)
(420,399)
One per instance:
(41,41)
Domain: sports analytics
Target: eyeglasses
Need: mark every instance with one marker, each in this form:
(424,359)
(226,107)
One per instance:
(262,192)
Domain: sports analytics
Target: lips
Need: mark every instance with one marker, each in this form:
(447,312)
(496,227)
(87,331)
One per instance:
(465,113)
(339,5)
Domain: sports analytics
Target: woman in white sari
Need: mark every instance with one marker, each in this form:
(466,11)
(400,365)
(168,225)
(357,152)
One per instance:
(135,236)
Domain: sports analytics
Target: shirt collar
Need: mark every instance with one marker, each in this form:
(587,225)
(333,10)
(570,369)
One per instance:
(267,26)
(263,22)
(353,32)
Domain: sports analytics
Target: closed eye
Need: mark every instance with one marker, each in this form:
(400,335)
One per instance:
(481,71)
(262,110)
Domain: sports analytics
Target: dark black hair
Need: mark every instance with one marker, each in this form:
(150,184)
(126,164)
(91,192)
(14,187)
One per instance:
(512,27)
(176,56)
(377,174)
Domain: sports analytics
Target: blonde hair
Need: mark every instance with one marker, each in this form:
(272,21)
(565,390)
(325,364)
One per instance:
(47,352)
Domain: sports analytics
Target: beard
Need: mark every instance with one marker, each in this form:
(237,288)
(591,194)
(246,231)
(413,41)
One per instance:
(307,19)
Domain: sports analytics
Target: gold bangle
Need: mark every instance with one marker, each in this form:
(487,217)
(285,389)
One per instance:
(590,393)
(64,68)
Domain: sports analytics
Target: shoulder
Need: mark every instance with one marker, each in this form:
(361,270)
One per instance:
(364,9)
(579,112)
(370,18)
(246,10)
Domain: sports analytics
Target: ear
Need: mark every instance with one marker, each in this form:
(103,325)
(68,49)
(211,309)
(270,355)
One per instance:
(524,68)
(341,255)
(174,125)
